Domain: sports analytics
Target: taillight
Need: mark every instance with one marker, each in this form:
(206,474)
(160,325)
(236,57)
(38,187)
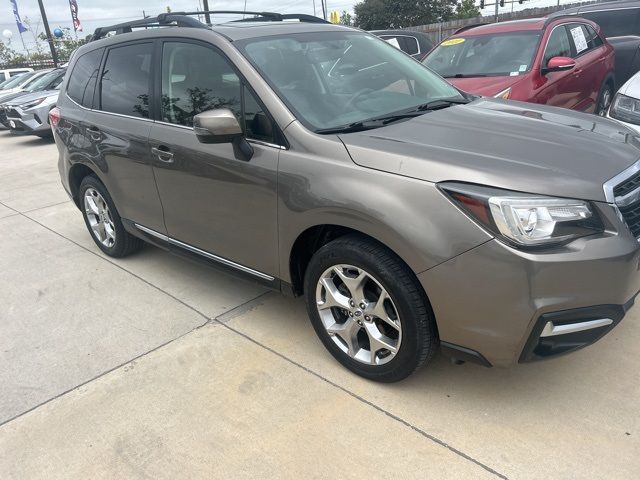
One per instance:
(54,117)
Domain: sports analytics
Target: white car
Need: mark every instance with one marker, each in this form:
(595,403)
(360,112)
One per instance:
(6,74)
(626,104)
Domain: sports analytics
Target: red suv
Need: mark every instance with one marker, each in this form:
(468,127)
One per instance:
(562,61)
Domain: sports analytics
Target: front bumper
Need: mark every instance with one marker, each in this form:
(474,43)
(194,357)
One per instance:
(494,302)
(31,121)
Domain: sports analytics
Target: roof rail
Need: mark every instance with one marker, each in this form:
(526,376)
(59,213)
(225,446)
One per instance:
(469,27)
(184,19)
(552,18)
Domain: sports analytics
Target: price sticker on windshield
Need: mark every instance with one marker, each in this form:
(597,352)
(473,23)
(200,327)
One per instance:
(578,39)
(452,41)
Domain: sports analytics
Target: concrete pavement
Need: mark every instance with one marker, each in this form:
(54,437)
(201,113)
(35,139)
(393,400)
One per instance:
(153,367)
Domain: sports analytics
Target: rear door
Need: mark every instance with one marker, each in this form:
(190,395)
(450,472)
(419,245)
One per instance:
(590,54)
(117,132)
(215,204)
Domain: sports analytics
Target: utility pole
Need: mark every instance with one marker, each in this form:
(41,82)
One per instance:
(207,17)
(47,30)
(497,3)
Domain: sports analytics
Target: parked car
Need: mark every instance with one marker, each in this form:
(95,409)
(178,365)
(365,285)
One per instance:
(626,104)
(619,22)
(50,81)
(8,73)
(20,83)
(9,80)
(417,44)
(560,62)
(29,114)
(320,161)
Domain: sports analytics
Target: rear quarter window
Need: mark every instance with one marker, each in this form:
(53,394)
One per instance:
(82,81)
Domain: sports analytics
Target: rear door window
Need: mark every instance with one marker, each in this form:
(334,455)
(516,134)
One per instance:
(82,81)
(124,86)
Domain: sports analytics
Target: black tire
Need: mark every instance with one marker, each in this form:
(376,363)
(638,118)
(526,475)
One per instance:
(605,97)
(419,332)
(125,243)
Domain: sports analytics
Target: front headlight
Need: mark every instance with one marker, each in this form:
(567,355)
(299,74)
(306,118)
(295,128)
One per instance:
(625,109)
(34,103)
(525,220)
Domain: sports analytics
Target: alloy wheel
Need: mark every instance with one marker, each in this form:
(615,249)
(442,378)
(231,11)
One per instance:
(358,314)
(99,217)
(604,103)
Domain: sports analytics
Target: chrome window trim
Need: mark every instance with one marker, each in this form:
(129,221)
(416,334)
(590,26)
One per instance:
(204,253)
(610,185)
(95,110)
(266,144)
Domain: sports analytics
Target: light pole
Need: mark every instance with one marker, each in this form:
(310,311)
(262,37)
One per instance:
(207,17)
(47,30)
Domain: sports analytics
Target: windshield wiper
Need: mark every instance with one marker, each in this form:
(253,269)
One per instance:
(442,103)
(465,75)
(371,123)
(383,120)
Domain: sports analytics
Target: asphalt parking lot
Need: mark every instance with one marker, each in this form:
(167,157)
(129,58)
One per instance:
(153,367)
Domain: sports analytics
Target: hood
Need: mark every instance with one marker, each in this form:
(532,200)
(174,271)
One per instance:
(5,93)
(505,144)
(485,86)
(632,87)
(7,98)
(30,97)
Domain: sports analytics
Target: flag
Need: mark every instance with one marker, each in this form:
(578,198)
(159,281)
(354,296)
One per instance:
(73,5)
(21,26)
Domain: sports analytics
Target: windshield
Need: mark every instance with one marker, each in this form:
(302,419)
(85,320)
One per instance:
(329,79)
(48,81)
(497,54)
(15,81)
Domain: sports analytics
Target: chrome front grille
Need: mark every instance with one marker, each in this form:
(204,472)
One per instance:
(624,191)
(631,215)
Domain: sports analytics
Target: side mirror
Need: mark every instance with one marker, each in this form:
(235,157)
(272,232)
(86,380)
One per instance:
(221,126)
(559,64)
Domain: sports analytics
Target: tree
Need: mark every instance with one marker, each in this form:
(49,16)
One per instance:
(65,45)
(346,19)
(467,9)
(7,54)
(384,14)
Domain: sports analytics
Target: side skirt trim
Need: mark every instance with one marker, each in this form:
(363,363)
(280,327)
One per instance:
(203,253)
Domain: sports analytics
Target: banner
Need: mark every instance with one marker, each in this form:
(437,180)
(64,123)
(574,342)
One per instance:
(21,26)
(73,5)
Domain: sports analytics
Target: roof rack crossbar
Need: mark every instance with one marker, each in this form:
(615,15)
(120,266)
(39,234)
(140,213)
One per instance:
(185,19)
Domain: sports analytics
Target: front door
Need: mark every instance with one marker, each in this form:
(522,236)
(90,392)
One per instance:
(560,89)
(213,201)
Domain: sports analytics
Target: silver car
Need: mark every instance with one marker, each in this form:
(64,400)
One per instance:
(29,114)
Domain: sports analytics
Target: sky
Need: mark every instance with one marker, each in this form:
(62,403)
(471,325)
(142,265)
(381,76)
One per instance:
(94,13)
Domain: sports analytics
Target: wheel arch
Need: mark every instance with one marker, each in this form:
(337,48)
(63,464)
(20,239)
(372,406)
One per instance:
(77,173)
(315,237)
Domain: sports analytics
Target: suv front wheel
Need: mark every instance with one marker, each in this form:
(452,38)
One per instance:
(369,310)
(102,220)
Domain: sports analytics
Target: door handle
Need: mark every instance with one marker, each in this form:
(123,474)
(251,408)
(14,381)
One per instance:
(163,154)
(95,134)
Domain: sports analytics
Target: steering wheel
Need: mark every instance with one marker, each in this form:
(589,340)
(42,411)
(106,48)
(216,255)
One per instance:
(355,97)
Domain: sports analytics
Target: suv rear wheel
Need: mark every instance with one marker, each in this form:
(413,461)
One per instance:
(102,220)
(369,310)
